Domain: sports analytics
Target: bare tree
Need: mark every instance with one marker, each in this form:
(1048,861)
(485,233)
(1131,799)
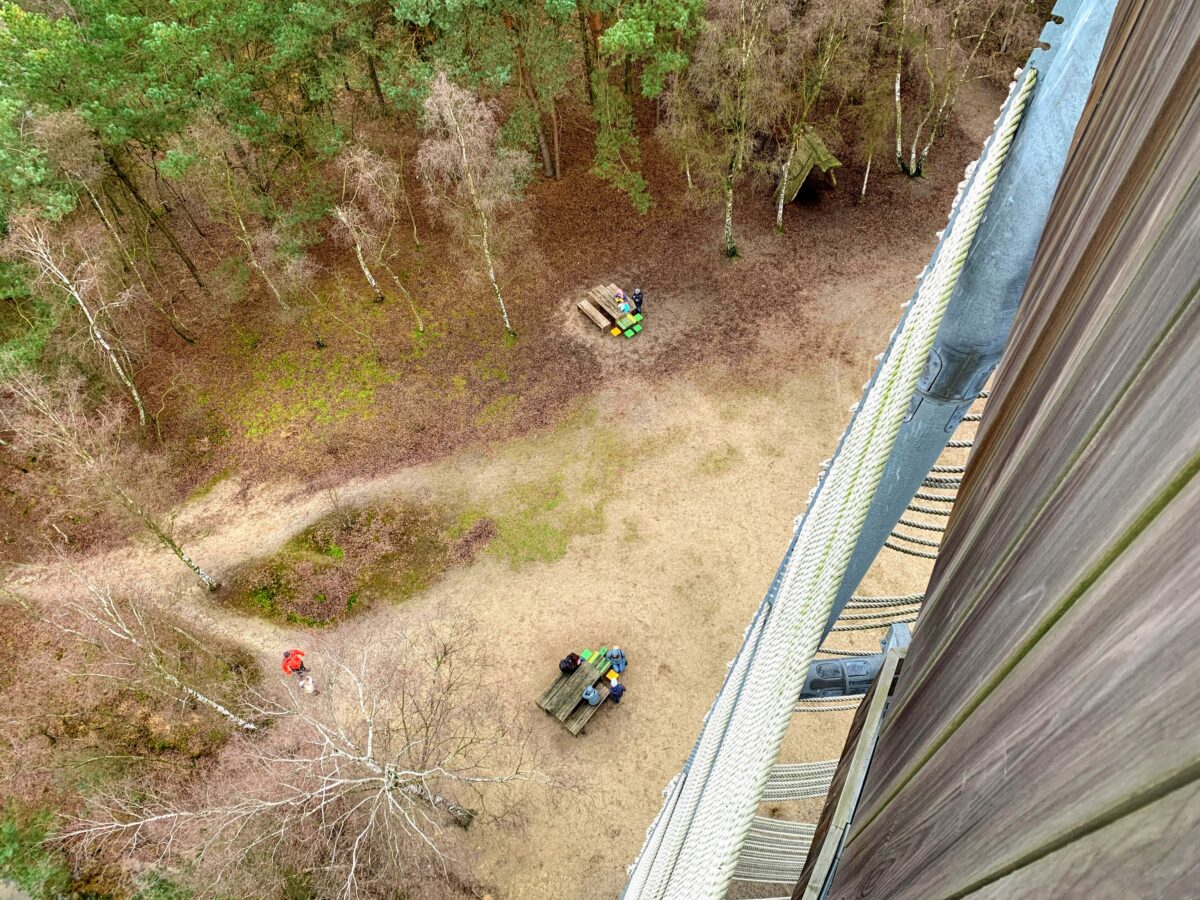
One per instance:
(732,93)
(29,240)
(942,44)
(138,646)
(471,179)
(73,149)
(84,453)
(366,782)
(366,216)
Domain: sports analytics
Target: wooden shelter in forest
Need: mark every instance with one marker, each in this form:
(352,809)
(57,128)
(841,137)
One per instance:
(811,153)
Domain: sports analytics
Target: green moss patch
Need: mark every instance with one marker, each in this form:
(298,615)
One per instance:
(352,558)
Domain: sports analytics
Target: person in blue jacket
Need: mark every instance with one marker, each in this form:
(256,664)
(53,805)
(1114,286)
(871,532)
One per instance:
(591,695)
(616,656)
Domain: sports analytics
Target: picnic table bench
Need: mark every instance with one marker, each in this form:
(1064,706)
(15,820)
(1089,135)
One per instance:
(563,699)
(603,306)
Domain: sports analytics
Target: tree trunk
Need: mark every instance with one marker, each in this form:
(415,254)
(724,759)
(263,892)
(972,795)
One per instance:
(539,129)
(376,88)
(45,261)
(131,265)
(730,246)
(554,129)
(165,539)
(586,43)
(491,270)
(783,183)
(407,204)
(867,174)
(248,243)
(162,226)
(362,263)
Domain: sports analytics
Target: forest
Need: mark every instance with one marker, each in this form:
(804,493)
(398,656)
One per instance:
(289,356)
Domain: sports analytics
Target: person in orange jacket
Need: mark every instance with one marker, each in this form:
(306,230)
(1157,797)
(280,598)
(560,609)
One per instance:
(293,662)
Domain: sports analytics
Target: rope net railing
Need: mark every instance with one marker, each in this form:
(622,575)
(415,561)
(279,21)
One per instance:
(692,848)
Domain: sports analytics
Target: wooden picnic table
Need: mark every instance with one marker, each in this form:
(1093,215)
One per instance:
(603,306)
(563,699)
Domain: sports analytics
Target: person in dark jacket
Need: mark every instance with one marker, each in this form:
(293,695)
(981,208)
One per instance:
(568,664)
(617,690)
(637,299)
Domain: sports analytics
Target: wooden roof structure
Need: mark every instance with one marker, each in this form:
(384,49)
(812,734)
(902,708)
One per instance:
(1043,739)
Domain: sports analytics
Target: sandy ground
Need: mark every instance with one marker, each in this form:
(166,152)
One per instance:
(695,524)
(694,528)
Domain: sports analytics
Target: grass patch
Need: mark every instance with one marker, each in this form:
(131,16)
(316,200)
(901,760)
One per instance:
(351,558)
(502,409)
(535,521)
(26,859)
(310,387)
(206,487)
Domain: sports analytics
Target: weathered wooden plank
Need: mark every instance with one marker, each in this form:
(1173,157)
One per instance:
(565,692)
(847,782)
(1049,694)
(594,314)
(1093,717)
(1071,404)
(1148,853)
(1149,438)
(1101,441)
(583,712)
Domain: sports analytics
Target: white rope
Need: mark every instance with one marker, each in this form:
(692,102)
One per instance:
(775,851)
(960,445)
(799,781)
(898,600)
(831,708)
(949,470)
(837,652)
(974,417)
(739,743)
(861,617)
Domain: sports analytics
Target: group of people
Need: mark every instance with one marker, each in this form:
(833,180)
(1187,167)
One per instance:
(632,303)
(616,658)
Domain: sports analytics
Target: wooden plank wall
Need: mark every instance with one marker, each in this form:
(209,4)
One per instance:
(1044,740)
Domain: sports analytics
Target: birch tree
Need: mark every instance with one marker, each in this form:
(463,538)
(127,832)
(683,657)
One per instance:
(136,646)
(938,49)
(472,181)
(734,91)
(29,240)
(366,216)
(364,785)
(80,454)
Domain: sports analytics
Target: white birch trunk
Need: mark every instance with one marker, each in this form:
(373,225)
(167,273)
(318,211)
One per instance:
(867,174)
(783,183)
(38,250)
(730,246)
